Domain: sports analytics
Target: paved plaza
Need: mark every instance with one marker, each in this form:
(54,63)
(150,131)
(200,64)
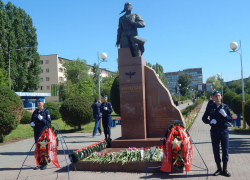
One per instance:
(13,155)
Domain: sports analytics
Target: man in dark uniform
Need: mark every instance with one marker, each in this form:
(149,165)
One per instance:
(211,101)
(219,121)
(96,114)
(40,119)
(106,110)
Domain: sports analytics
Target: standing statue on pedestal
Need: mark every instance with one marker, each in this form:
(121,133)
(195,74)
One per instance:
(127,35)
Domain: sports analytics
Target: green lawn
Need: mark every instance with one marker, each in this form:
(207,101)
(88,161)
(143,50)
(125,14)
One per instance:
(24,131)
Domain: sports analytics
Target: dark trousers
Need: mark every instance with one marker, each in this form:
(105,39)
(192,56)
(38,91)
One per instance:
(220,136)
(106,123)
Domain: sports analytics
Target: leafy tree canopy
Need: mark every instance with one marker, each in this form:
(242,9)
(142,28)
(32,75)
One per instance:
(160,71)
(184,80)
(17,33)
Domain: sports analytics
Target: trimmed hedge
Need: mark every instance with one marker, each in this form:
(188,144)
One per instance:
(53,108)
(76,111)
(227,98)
(115,95)
(11,109)
(236,103)
(26,117)
(247,112)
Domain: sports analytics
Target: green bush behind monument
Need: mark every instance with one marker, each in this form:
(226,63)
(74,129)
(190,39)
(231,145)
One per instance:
(11,109)
(115,95)
(236,103)
(227,98)
(76,111)
(26,117)
(53,108)
(247,112)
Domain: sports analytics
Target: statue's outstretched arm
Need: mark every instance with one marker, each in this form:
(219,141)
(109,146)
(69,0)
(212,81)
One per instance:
(139,22)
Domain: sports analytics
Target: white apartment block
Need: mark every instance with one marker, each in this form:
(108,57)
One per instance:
(53,74)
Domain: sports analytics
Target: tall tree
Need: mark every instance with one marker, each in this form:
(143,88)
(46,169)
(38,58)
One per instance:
(95,74)
(184,80)
(3,77)
(17,32)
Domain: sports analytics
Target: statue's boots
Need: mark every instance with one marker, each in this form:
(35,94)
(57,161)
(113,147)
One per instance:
(219,170)
(225,171)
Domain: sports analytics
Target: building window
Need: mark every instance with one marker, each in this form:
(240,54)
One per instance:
(47,87)
(41,87)
(47,62)
(41,79)
(41,61)
(65,70)
(47,70)
(60,70)
(41,70)
(60,61)
(60,79)
(47,78)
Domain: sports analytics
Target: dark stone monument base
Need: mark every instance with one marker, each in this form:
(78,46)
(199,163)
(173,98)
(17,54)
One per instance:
(118,167)
(138,143)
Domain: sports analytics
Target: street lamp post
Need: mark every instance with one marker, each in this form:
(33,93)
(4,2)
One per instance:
(9,61)
(220,75)
(103,59)
(179,91)
(234,46)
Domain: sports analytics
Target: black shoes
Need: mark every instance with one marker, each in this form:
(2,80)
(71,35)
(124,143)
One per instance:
(225,171)
(43,167)
(220,172)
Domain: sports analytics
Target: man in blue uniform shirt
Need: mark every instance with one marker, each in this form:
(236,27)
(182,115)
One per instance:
(106,110)
(219,121)
(40,119)
(211,101)
(96,114)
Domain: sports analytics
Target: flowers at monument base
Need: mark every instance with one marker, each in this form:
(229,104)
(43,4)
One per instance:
(46,148)
(178,150)
(130,154)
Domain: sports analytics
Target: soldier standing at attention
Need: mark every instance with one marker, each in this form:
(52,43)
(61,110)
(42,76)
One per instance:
(40,119)
(219,121)
(106,110)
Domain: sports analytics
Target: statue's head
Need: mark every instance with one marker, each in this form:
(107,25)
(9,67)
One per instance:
(127,7)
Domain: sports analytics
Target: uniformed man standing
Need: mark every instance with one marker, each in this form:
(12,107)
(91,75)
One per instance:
(40,119)
(106,110)
(96,114)
(211,101)
(219,121)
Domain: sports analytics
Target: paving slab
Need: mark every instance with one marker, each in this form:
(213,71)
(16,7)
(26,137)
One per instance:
(13,155)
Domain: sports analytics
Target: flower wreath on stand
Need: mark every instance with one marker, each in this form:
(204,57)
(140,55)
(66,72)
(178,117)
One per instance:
(46,148)
(178,150)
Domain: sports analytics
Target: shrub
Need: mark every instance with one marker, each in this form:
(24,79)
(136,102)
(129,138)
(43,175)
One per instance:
(53,108)
(76,111)
(227,98)
(203,97)
(247,112)
(11,109)
(26,117)
(115,95)
(236,103)
(199,101)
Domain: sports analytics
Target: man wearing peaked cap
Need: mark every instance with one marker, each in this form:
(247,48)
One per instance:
(106,110)
(220,118)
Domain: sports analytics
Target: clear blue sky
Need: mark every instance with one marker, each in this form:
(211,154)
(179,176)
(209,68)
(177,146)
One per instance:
(180,33)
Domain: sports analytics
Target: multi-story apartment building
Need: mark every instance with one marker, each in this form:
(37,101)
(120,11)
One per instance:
(53,74)
(195,75)
(230,82)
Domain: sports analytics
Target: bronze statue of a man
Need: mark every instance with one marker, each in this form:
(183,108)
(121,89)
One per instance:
(127,35)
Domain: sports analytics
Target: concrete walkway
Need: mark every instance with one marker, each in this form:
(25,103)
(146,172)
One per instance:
(13,155)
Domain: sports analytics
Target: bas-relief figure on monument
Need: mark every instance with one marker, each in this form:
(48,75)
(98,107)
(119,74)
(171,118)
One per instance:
(127,35)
